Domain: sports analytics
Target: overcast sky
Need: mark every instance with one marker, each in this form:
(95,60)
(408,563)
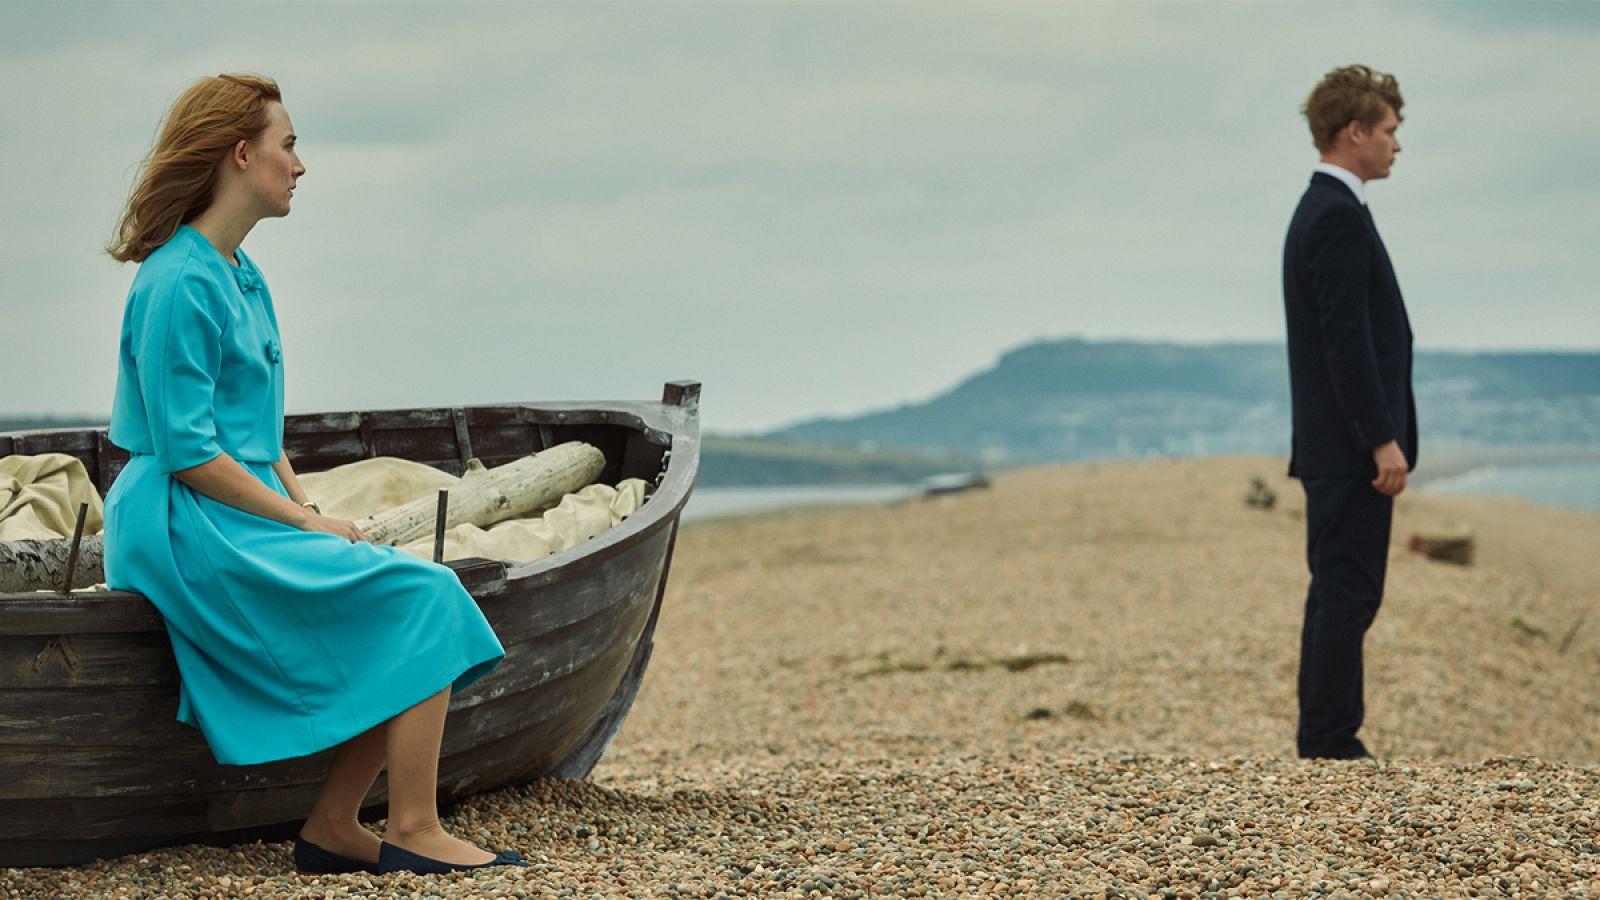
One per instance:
(813,208)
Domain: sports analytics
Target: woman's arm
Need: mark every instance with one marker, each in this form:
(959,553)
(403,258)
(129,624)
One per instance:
(222,479)
(290,482)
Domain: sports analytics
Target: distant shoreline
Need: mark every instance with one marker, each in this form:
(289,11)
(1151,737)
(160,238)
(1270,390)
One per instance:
(1452,462)
(743,502)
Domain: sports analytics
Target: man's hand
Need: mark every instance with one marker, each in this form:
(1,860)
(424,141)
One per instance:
(1391,462)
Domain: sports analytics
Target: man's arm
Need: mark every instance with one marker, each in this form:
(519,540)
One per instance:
(1340,251)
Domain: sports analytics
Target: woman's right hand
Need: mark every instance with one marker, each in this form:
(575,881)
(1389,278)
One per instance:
(328,525)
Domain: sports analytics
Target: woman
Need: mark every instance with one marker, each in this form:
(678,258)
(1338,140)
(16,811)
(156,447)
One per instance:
(292,634)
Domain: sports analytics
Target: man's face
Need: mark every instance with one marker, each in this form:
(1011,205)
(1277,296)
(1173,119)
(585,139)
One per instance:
(1376,147)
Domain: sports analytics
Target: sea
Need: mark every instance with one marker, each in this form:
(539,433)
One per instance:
(1575,485)
(1572,484)
(722,502)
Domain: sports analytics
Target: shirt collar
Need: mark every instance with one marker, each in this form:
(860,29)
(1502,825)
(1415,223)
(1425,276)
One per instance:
(1348,177)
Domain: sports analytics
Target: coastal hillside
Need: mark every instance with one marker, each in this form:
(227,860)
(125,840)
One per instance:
(1076,399)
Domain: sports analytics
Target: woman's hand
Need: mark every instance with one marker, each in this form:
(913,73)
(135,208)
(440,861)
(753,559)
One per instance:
(328,525)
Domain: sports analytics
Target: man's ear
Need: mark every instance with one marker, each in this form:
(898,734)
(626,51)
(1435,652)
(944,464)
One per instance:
(1356,131)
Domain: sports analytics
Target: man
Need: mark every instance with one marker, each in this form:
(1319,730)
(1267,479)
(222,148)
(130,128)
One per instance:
(1355,423)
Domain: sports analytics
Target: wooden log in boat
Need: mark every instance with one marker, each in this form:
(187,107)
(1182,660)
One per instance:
(93,762)
(36,565)
(484,496)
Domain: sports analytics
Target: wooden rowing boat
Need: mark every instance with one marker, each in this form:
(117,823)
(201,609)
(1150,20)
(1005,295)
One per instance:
(93,762)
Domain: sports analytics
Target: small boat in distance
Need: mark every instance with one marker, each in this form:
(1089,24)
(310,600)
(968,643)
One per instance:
(93,762)
(952,483)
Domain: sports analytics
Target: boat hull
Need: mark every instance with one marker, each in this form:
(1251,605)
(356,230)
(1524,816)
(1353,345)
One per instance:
(93,762)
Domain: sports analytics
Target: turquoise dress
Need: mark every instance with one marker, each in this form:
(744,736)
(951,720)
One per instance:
(288,642)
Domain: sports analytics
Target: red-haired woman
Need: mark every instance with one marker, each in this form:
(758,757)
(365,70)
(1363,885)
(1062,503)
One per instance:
(291,632)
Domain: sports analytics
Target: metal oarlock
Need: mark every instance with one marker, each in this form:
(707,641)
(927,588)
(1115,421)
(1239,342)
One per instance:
(72,556)
(438,526)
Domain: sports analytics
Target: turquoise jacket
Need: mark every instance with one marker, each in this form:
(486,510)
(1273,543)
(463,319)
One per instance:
(200,370)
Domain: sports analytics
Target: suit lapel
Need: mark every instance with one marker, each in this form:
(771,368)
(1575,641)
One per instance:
(1383,252)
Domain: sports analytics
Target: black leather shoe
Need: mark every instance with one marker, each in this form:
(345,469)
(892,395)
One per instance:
(396,859)
(309,859)
(1347,748)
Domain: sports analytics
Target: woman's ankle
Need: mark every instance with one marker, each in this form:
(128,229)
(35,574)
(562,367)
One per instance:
(327,826)
(410,829)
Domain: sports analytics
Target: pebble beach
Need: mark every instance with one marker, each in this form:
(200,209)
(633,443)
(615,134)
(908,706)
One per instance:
(1076,683)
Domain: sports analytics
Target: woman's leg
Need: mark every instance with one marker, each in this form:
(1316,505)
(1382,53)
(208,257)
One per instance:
(413,740)
(332,824)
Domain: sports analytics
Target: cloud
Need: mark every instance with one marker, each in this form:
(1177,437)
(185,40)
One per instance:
(814,208)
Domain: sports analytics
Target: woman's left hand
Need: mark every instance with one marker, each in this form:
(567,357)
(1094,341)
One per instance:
(328,525)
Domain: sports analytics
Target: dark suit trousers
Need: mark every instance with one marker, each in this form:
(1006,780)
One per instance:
(1347,549)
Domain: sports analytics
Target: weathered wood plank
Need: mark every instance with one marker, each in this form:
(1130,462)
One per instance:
(43,718)
(424,417)
(101,471)
(504,440)
(76,441)
(419,444)
(498,416)
(316,452)
(463,436)
(145,715)
(82,613)
(368,447)
(90,662)
(94,612)
(316,423)
(555,655)
(100,826)
(100,819)
(643,458)
(610,439)
(118,462)
(129,743)
(525,611)
(114,770)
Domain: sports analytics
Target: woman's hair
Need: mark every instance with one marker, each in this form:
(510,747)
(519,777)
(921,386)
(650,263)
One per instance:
(179,176)
(1353,93)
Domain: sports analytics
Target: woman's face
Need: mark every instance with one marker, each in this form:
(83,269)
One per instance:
(274,165)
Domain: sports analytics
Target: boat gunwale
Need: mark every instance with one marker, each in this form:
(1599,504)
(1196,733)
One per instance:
(674,427)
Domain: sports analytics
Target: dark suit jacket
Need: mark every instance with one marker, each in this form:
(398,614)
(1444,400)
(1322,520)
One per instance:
(1349,338)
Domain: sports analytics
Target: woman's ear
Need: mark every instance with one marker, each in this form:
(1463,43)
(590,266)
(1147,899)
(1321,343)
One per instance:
(241,155)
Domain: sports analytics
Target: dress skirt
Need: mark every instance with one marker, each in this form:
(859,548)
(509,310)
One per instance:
(288,642)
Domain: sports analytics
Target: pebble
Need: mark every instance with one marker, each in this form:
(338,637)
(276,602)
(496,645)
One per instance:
(758,762)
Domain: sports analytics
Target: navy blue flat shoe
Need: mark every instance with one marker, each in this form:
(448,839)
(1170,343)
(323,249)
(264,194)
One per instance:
(396,859)
(309,859)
